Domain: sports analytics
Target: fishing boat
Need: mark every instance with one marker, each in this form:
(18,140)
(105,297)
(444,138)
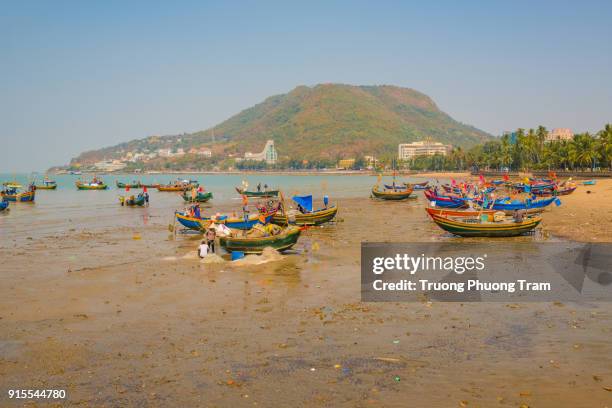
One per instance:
(135,184)
(444,212)
(13,194)
(445,201)
(201,196)
(12,184)
(529,206)
(563,191)
(420,186)
(588,183)
(197,224)
(155,185)
(262,194)
(306,216)
(133,201)
(476,227)
(95,184)
(392,195)
(241,241)
(3,205)
(46,185)
(179,185)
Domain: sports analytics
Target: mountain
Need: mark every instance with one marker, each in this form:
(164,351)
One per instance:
(326,121)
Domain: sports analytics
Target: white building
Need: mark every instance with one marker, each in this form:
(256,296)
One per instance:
(407,151)
(268,154)
(559,134)
(109,165)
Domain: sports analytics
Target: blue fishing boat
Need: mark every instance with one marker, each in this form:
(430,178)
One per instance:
(445,201)
(530,206)
(588,183)
(14,194)
(4,205)
(197,224)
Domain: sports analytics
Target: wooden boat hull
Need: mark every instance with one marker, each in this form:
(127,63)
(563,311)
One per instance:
(200,198)
(392,195)
(192,223)
(491,230)
(533,207)
(280,242)
(44,187)
(458,213)
(124,185)
(176,188)
(317,217)
(139,201)
(197,224)
(27,197)
(446,201)
(88,187)
(262,194)
(562,192)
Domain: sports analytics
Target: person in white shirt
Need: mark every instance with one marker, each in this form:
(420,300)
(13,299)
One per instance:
(203,249)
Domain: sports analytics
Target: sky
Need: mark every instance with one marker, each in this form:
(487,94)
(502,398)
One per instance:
(77,75)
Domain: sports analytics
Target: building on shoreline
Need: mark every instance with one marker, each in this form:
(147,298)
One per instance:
(110,165)
(345,164)
(268,154)
(559,134)
(408,151)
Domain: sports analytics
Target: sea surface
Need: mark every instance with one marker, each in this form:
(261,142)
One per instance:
(67,209)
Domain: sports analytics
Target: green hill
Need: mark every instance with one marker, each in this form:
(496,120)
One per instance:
(327,121)
(342,120)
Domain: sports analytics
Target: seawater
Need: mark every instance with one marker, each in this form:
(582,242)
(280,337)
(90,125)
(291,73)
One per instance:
(58,211)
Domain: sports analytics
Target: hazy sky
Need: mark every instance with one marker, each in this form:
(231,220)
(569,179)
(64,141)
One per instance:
(81,75)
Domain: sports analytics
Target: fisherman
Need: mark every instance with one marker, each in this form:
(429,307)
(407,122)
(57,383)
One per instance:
(146,197)
(196,211)
(211,235)
(266,187)
(203,249)
(259,187)
(518,216)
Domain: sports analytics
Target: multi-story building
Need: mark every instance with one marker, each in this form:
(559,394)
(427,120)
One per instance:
(408,151)
(268,154)
(559,134)
(346,164)
(109,165)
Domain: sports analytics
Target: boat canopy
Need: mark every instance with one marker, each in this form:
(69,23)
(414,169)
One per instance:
(304,201)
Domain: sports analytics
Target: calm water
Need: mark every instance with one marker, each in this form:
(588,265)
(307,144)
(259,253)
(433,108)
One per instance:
(58,211)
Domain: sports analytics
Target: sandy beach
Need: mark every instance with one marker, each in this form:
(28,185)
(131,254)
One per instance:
(128,316)
(585,215)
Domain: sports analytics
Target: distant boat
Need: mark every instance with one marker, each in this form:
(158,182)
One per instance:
(95,184)
(259,193)
(588,183)
(14,195)
(47,184)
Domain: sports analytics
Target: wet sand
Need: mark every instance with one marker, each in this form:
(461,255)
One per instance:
(127,316)
(585,215)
